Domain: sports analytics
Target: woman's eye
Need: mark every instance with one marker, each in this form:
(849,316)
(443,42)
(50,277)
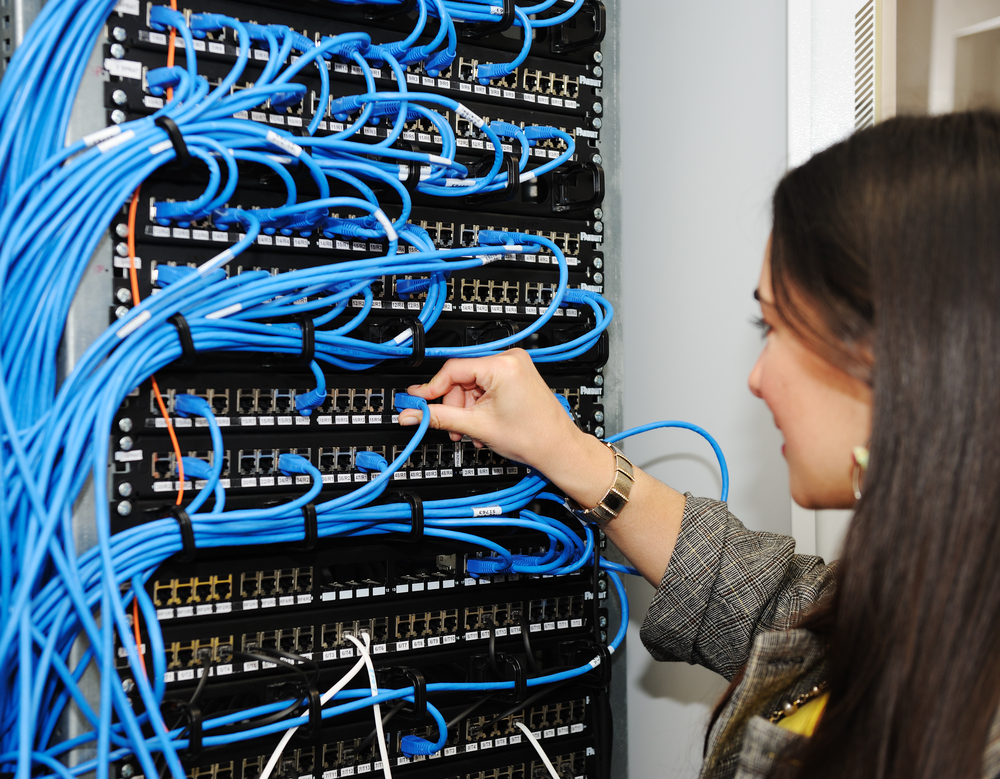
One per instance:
(761,324)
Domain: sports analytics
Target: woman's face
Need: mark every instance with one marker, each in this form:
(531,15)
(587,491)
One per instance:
(821,411)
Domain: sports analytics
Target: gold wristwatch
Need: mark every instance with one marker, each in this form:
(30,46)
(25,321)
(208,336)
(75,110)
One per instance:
(615,500)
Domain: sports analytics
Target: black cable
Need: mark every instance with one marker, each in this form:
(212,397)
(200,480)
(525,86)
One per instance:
(467,711)
(202,682)
(522,705)
(525,630)
(385,721)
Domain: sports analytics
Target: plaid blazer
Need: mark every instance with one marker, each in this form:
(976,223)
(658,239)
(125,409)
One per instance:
(727,599)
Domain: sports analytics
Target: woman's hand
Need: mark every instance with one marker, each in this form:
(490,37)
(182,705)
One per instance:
(500,402)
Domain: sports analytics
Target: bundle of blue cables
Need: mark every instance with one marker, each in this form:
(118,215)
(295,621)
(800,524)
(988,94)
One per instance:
(56,202)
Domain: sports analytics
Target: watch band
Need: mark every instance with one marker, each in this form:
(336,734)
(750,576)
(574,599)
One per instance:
(611,505)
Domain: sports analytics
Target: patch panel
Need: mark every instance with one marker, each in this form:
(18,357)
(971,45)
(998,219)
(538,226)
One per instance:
(184,592)
(558,608)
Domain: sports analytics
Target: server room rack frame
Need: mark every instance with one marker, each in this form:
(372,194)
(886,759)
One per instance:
(89,311)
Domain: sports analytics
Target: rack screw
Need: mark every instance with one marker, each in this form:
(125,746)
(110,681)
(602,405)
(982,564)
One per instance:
(598,381)
(598,263)
(117,51)
(121,311)
(598,124)
(125,443)
(598,108)
(118,116)
(598,213)
(598,278)
(128,685)
(598,71)
(603,622)
(119,97)
(125,508)
(598,227)
(597,159)
(604,636)
(119,33)
(125,489)
(121,230)
(125,424)
(598,416)
(599,432)
(602,585)
(127,771)
(123,295)
(598,57)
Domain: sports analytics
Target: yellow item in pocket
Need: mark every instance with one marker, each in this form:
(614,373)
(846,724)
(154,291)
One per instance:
(805,719)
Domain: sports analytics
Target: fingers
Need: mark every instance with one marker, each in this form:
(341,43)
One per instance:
(456,420)
(465,374)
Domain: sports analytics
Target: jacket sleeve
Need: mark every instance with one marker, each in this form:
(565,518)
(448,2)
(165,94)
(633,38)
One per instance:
(725,585)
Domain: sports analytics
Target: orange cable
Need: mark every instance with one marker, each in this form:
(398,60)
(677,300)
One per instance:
(134,281)
(170,51)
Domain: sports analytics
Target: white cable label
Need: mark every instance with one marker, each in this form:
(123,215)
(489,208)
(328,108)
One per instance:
(130,7)
(159,148)
(487,511)
(470,115)
(488,258)
(118,140)
(436,160)
(403,336)
(135,324)
(225,311)
(124,68)
(218,260)
(101,135)
(526,176)
(460,182)
(283,143)
(383,220)
(513,247)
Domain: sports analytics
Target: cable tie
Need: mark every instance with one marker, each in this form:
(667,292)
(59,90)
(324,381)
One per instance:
(188,353)
(187,553)
(419,341)
(396,676)
(192,718)
(310,522)
(315,708)
(174,134)
(520,690)
(308,339)
(416,534)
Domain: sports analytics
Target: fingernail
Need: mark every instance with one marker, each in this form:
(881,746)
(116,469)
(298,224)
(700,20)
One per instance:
(408,421)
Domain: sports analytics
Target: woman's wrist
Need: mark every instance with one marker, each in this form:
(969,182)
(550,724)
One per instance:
(584,468)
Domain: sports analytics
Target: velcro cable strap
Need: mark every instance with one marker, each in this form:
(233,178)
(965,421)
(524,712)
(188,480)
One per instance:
(308,339)
(188,352)
(419,341)
(310,524)
(176,138)
(187,553)
(416,533)
(192,719)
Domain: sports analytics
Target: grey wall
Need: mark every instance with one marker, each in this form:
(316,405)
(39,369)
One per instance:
(704,143)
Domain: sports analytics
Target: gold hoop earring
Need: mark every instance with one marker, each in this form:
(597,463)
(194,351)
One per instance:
(860,455)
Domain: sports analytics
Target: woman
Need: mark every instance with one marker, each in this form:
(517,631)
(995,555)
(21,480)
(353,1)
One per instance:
(880,301)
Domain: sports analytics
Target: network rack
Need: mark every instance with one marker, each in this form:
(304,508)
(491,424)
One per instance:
(242,628)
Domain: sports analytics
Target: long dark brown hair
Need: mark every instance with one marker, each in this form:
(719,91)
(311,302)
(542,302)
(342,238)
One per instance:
(886,259)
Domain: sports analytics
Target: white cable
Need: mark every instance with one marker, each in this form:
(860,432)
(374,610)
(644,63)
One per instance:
(340,685)
(382,746)
(538,749)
